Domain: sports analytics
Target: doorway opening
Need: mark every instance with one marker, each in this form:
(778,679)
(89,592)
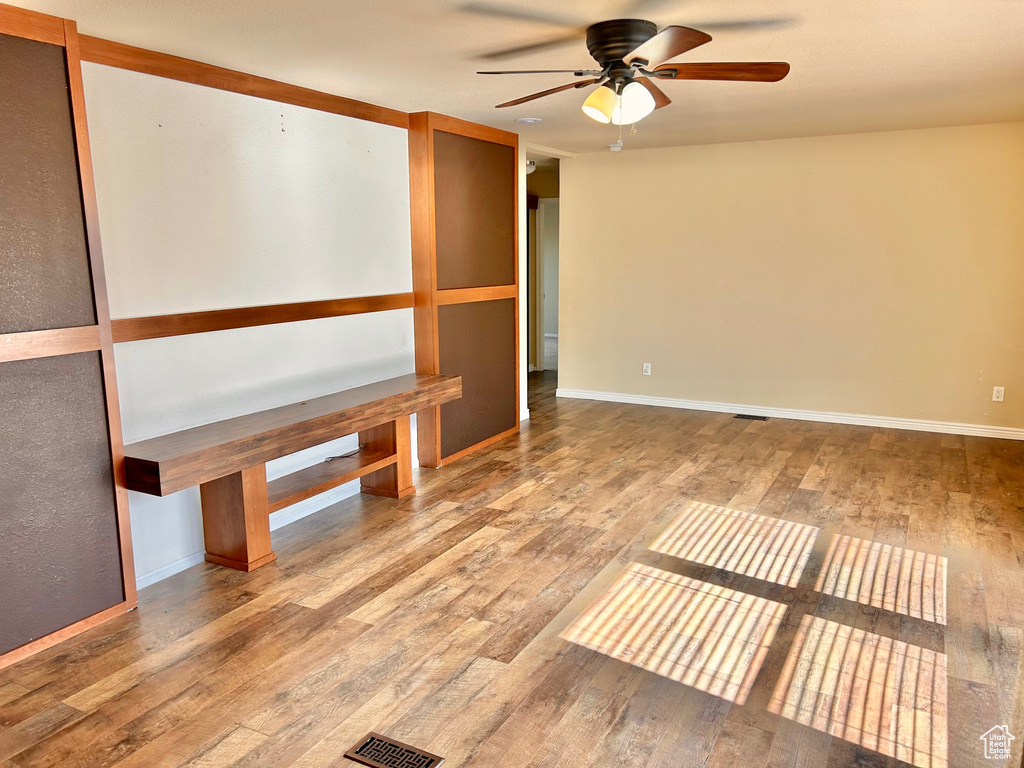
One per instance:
(542,262)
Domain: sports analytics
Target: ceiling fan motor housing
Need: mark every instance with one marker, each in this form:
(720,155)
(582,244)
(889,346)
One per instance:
(610,41)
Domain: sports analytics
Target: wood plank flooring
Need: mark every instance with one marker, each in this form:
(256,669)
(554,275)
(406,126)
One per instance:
(437,619)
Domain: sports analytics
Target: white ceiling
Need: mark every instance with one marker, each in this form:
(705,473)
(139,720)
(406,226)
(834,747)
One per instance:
(858,65)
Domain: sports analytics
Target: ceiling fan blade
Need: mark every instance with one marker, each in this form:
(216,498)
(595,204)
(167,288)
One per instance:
(540,45)
(548,92)
(759,71)
(519,14)
(577,72)
(641,9)
(667,44)
(741,24)
(660,99)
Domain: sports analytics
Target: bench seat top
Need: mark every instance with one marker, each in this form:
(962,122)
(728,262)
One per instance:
(173,462)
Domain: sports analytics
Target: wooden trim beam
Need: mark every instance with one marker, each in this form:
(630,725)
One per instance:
(40,27)
(100,51)
(469,295)
(60,341)
(439,122)
(183,324)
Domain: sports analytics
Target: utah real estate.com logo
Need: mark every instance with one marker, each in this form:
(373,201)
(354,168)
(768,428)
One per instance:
(997,742)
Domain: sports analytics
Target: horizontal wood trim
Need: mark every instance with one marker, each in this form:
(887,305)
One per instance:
(469,295)
(59,341)
(31,24)
(480,446)
(183,324)
(439,122)
(100,51)
(52,639)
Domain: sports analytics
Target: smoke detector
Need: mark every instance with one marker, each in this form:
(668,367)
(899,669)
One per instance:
(528,120)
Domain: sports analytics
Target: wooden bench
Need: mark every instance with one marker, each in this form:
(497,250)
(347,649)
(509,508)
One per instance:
(227,459)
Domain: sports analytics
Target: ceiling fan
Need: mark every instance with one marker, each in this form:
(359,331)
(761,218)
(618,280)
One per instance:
(633,54)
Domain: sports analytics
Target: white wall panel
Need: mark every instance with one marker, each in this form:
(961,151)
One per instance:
(210,200)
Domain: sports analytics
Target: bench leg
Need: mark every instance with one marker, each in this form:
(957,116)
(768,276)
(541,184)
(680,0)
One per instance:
(236,520)
(394,481)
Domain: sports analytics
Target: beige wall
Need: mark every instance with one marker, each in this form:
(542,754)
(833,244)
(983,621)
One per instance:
(876,274)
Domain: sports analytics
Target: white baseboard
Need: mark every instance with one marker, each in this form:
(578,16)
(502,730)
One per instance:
(277,520)
(147,579)
(309,506)
(891,422)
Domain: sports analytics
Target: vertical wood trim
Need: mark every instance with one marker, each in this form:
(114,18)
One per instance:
(515,260)
(424,277)
(99,280)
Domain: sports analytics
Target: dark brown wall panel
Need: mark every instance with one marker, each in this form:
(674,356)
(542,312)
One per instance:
(59,552)
(44,267)
(478,342)
(474,191)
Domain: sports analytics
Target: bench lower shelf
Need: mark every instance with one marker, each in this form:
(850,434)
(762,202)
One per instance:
(311,481)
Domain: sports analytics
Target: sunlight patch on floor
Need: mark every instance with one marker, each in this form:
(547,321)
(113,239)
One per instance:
(895,579)
(752,545)
(883,694)
(709,637)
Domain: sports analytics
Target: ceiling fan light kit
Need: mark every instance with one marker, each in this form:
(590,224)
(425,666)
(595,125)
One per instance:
(633,54)
(601,104)
(635,103)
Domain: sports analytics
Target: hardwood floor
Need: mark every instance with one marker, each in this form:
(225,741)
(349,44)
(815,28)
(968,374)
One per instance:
(438,619)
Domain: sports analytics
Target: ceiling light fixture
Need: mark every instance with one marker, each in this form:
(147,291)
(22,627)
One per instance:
(635,103)
(601,104)
(631,104)
(531,166)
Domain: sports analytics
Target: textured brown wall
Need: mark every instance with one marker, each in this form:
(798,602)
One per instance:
(59,548)
(59,553)
(478,342)
(474,189)
(44,266)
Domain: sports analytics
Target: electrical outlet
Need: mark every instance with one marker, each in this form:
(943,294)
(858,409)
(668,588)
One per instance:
(647,369)
(997,394)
